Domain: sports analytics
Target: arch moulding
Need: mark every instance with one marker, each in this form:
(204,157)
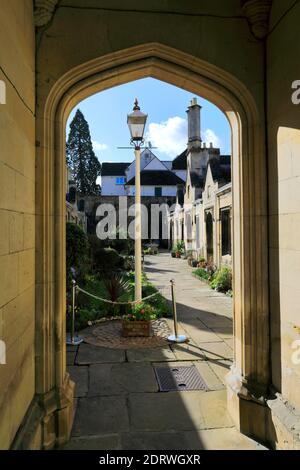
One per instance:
(248,380)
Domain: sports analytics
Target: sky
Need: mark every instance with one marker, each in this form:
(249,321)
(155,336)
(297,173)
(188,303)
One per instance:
(166,129)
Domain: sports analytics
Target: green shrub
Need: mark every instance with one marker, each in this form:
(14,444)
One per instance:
(202,274)
(222,280)
(107,260)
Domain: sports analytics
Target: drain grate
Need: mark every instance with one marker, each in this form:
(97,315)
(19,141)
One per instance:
(180,378)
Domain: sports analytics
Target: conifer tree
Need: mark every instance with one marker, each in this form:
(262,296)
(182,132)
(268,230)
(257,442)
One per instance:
(81,158)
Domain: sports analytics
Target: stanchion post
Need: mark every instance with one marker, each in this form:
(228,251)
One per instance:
(73,311)
(72,339)
(175,338)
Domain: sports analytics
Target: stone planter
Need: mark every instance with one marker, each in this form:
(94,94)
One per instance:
(136,328)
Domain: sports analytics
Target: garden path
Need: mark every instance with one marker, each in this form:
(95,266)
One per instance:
(118,405)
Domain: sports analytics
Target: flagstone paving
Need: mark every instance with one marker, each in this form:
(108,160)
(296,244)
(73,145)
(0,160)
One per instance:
(118,404)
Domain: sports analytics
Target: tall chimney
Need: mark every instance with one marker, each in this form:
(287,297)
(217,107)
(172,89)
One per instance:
(193,112)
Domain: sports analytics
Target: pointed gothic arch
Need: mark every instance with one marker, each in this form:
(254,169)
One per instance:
(249,378)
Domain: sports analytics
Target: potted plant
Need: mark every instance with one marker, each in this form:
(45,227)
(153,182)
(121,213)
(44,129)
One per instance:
(194,263)
(179,249)
(138,322)
(202,263)
(173,253)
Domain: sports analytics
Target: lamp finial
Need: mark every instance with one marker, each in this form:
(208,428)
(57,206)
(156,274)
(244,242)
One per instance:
(136,105)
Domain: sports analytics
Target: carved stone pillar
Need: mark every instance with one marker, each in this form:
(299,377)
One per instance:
(43,11)
(257,13)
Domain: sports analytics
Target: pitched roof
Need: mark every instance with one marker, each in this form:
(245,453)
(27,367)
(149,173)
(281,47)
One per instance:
(180,163)
(197,181)
(221,172)
(157,177)
(113,169)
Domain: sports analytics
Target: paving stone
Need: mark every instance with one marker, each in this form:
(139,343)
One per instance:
(220,439)
(225,332)
(221,368)
(110,441)
(177,411)
(200,333)
(117,379)
(71,356)
(216,351)
(188,352)
(154,441)
(89,354)
(100,415)
(215,321)
(80,376)
(150,355)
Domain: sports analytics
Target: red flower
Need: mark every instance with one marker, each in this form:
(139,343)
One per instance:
(142,311)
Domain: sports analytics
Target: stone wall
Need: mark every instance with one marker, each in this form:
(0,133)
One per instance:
(17,209)
(283,67)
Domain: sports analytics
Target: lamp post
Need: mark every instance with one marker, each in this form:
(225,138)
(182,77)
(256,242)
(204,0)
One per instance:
(136,122)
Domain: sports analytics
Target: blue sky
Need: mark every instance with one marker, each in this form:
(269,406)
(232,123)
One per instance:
(165,104)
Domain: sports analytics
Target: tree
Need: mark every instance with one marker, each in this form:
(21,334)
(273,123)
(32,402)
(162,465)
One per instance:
(81,157)
(77,253)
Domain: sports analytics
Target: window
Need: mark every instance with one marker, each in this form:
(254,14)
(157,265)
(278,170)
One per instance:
(120,180)
(158,192)
(226,231)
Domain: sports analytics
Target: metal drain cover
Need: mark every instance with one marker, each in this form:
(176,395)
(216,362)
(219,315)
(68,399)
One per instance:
(180,378)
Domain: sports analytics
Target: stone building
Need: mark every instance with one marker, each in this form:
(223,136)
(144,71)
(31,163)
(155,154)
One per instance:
(157,177)
(202,215)
(253,77)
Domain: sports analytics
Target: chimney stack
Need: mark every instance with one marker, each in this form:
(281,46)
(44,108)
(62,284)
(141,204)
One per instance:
(194,133)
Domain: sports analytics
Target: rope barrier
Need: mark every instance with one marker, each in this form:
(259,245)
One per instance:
(116,303)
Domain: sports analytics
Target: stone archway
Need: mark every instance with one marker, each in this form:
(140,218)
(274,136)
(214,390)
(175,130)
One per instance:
(249,379)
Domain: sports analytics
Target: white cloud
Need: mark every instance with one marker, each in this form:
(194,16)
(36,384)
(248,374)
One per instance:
(98,147)
(170,137)
(210,136)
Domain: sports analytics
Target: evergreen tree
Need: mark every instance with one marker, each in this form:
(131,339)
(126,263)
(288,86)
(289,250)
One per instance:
(81,158)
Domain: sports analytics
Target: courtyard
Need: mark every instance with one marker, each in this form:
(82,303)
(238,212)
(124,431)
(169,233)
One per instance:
(118,404)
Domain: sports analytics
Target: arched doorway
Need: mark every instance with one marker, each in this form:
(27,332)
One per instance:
(248,382)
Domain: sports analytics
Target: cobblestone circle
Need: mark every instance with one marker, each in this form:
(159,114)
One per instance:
(109,335)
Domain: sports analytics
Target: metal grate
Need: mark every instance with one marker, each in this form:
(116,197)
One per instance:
(179,378)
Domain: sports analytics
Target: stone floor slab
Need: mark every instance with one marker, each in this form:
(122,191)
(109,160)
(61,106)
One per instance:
(118,379)
(188,352)
(100,415)
(80,376)
(221,369)
(154,441)
(216,351)
(178,411)
(220,439)
(88,354)
(104,442)
(150,355)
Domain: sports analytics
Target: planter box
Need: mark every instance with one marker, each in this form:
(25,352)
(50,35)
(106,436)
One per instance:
(136,328)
